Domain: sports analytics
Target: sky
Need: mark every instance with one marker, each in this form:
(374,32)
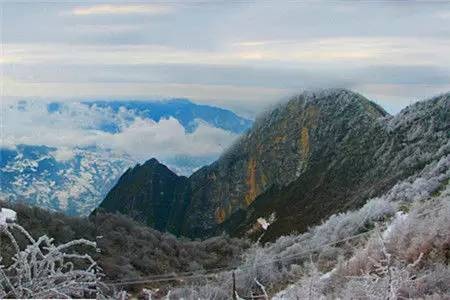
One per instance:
(243,55)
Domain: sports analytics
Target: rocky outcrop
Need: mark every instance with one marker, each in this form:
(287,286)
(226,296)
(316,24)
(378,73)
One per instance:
(151,194)
(318,154)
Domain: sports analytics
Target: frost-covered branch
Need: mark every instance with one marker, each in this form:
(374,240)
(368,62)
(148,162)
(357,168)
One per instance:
(44,270)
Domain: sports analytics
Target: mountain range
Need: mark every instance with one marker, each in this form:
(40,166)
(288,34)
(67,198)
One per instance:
(341,200)
(66,156)
(319,154)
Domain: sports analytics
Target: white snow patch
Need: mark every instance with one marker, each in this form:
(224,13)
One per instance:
(7,214)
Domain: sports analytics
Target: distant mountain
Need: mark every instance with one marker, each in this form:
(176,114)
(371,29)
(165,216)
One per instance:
(320,153)
(74,179)
(35,175)
(183,110)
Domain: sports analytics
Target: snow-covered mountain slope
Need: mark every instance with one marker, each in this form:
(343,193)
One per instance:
(66,156)
(37,175)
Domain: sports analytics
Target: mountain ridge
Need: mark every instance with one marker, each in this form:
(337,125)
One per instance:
(320,153)
(182,109)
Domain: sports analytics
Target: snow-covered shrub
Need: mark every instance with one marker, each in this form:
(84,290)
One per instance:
(310,285)
(397,281)
(408,260)
(335,228)
(276,264)
(400,258)
(260,264)
(42,269)
(426,230)
(206,291)
(421,186)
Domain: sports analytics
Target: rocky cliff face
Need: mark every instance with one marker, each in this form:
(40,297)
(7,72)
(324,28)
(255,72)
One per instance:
(318,154)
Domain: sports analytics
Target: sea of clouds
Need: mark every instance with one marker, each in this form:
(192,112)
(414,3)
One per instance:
(77,125)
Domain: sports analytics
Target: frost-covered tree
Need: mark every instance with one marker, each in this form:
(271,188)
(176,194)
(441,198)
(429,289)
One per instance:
(42,269)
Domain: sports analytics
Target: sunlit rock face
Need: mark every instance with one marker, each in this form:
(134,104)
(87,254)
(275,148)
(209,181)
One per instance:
(318,154)
(309,132)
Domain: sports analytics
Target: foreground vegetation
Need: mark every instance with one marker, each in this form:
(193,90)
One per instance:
(126,250)
(395,246)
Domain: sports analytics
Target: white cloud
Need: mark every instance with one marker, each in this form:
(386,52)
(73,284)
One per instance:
(101,29)
(322,39)
(167,138)
(75,126)
(342,50)
(443,14)
(316,52)
(63,154)
(318,56)
(246,100)
(394,97)
(108,9)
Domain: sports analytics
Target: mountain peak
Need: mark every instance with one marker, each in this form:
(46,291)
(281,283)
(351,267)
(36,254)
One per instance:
(151,193)
(152,162)
(320,153)
(340,97)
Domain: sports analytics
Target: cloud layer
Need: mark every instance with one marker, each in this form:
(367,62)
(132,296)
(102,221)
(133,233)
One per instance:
(77,125)
(121,9)
(238,55)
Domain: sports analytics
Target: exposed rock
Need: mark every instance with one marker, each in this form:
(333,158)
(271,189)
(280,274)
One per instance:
(318,154)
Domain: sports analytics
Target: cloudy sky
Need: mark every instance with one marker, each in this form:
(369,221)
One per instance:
(242,55)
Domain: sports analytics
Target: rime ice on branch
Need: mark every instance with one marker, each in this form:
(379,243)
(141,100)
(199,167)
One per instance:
(42,269)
